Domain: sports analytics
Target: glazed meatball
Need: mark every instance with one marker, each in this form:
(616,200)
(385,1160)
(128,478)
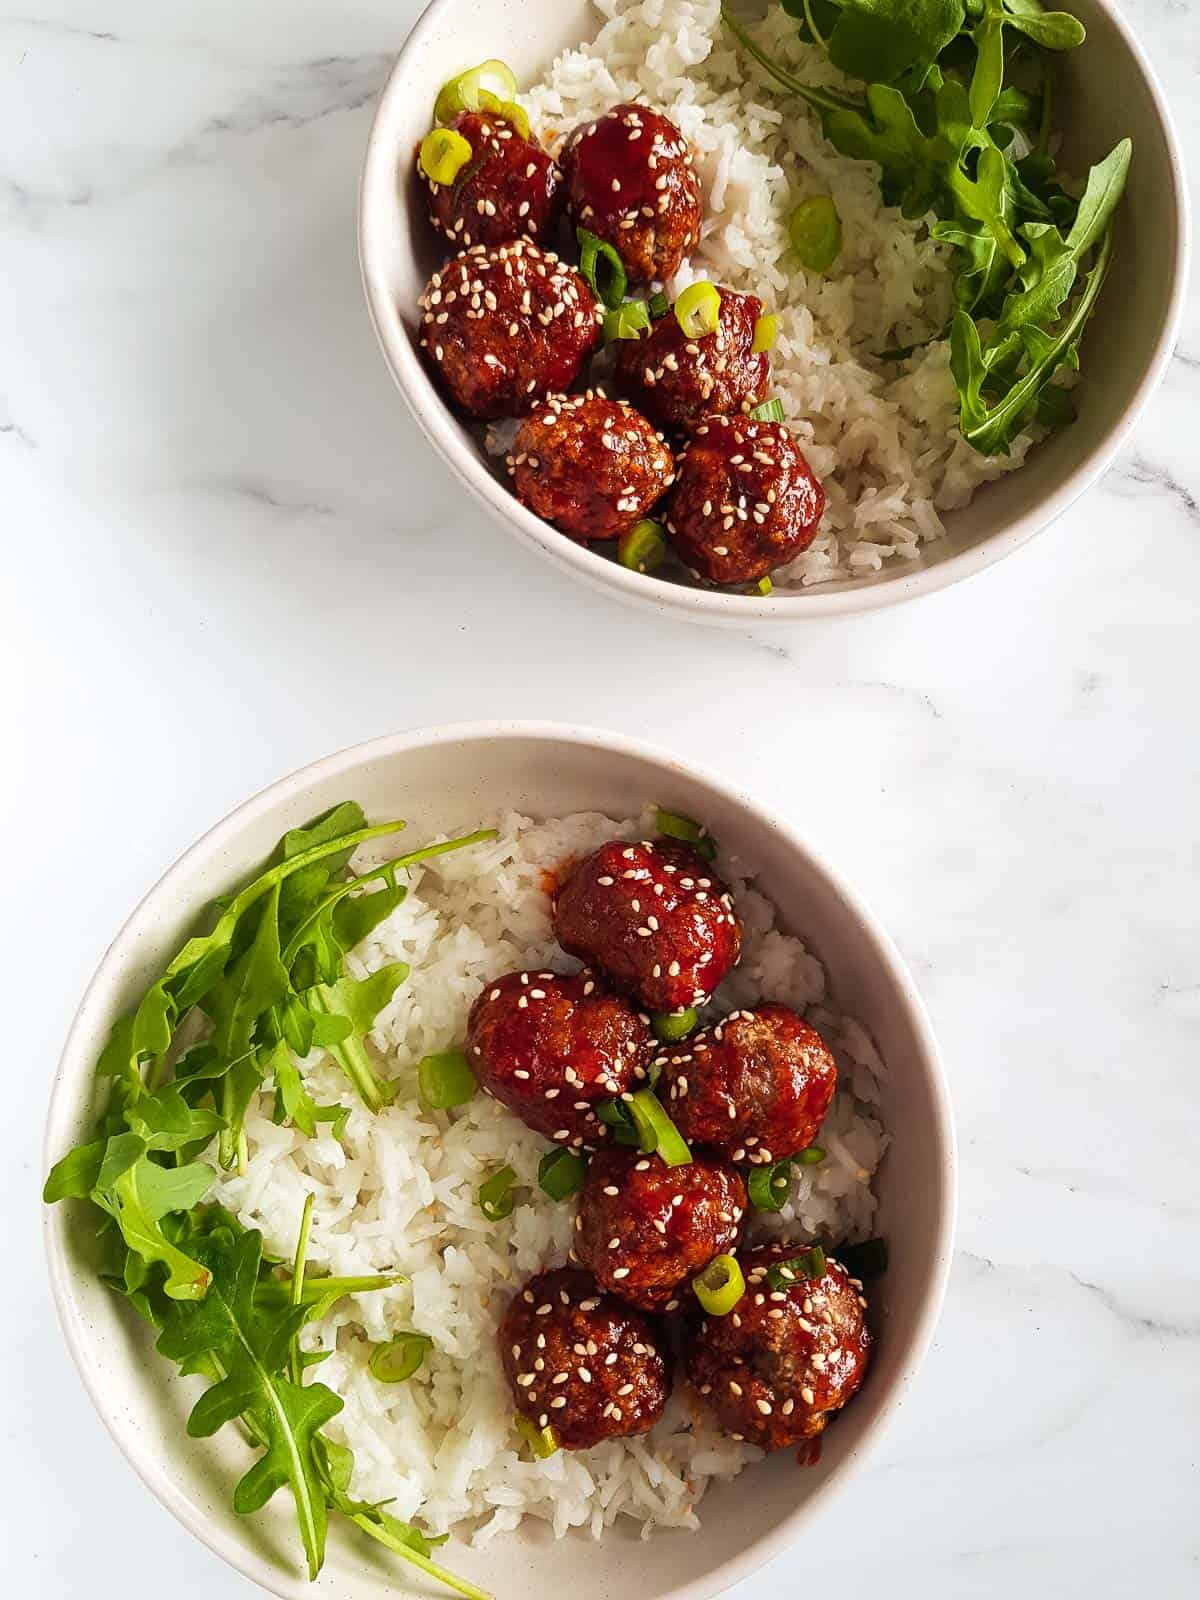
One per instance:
(630,181)
(505,326)
(756,1087)
(745,500)
(552,1048)
(508,189)
(646,1229)
(783,1360)
(581,1362)
(655,917)
(592,467)
(678,380)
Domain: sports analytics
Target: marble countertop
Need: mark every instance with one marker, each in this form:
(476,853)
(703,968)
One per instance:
(220,533)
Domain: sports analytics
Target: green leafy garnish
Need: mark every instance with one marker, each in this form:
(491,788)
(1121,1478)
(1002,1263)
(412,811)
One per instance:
(953,141)
(268,984)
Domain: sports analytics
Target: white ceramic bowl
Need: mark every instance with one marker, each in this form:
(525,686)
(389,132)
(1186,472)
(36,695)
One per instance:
(445,779)
(1109,91)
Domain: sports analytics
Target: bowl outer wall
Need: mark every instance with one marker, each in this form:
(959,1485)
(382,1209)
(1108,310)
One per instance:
(1126,347)
(444,779)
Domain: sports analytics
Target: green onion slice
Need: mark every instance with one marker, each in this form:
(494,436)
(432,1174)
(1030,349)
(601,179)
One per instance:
(698,309)
(656,1130)
(512,111)
(768,1186)
(561,1173)
(445,1080)
(672,1025)
(642,547)
(809,1265)
(766,331)
(812,1157)
(482,88)
(615,1115)
(658,305)
(543,1440)
(444,153)
(815,230)
(763,586)
(866,1260)
(602,268)
(496,1196)
(628,321)
(674,825)
(400,1357)
(769,411)
(720,1286)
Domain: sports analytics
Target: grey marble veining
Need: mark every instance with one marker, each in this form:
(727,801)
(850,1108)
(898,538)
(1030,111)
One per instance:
(221,537)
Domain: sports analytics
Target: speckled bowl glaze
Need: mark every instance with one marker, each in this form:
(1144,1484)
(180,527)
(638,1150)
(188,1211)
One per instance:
(445,779)
(1109,90)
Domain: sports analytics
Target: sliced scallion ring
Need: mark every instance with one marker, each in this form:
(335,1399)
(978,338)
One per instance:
(602,269)
(628,321)
(513,111)
(674,825)
(866,1260)
(812,1157)
(720,1286)
(698,309)
(806,1267)
(769,411)
(445,1080)
(672,1025)
(656,1130)
(763,586)
(615,1114)
(768,1186)
(766,331)
(815,230)
(561,1173)
(643,547)
(482,88)
(543,1441)
(496,1197)
(400,1357)
(658,305)
(444,153)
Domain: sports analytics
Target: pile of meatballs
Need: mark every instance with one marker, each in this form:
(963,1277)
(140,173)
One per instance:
(509,327)
(589,1348)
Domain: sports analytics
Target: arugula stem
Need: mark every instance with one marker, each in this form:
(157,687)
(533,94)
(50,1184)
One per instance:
(275,1292)
(297,1294)
(812,26)
(1044,124)
(459,1585)
(823,99)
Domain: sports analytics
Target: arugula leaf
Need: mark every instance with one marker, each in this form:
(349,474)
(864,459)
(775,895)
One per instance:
(880,40)
(139,1198)
(74,1177)
(344,1013)
(251,1349)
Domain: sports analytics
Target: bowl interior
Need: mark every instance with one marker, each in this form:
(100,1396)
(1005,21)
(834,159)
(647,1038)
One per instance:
(447,783)
(1106,94)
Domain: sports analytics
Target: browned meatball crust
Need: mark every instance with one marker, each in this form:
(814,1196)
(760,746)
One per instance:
(756,1086)
(592,467)
(678,380)
(631,182)
(551,1048)
(645,1229)
(581,1362)
(654,916)
(505,326)
(508,189)
(745,500)
(783,1360)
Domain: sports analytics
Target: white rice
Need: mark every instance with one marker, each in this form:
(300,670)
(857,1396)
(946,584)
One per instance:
(398,1194)
(883,437)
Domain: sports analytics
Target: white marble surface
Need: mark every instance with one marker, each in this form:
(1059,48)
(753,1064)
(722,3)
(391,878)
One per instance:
(222,543)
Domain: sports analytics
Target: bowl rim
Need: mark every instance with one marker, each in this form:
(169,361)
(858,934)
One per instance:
(97,999)
(717,606)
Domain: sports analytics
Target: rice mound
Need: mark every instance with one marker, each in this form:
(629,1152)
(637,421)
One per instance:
(882,436)
(398,1194)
